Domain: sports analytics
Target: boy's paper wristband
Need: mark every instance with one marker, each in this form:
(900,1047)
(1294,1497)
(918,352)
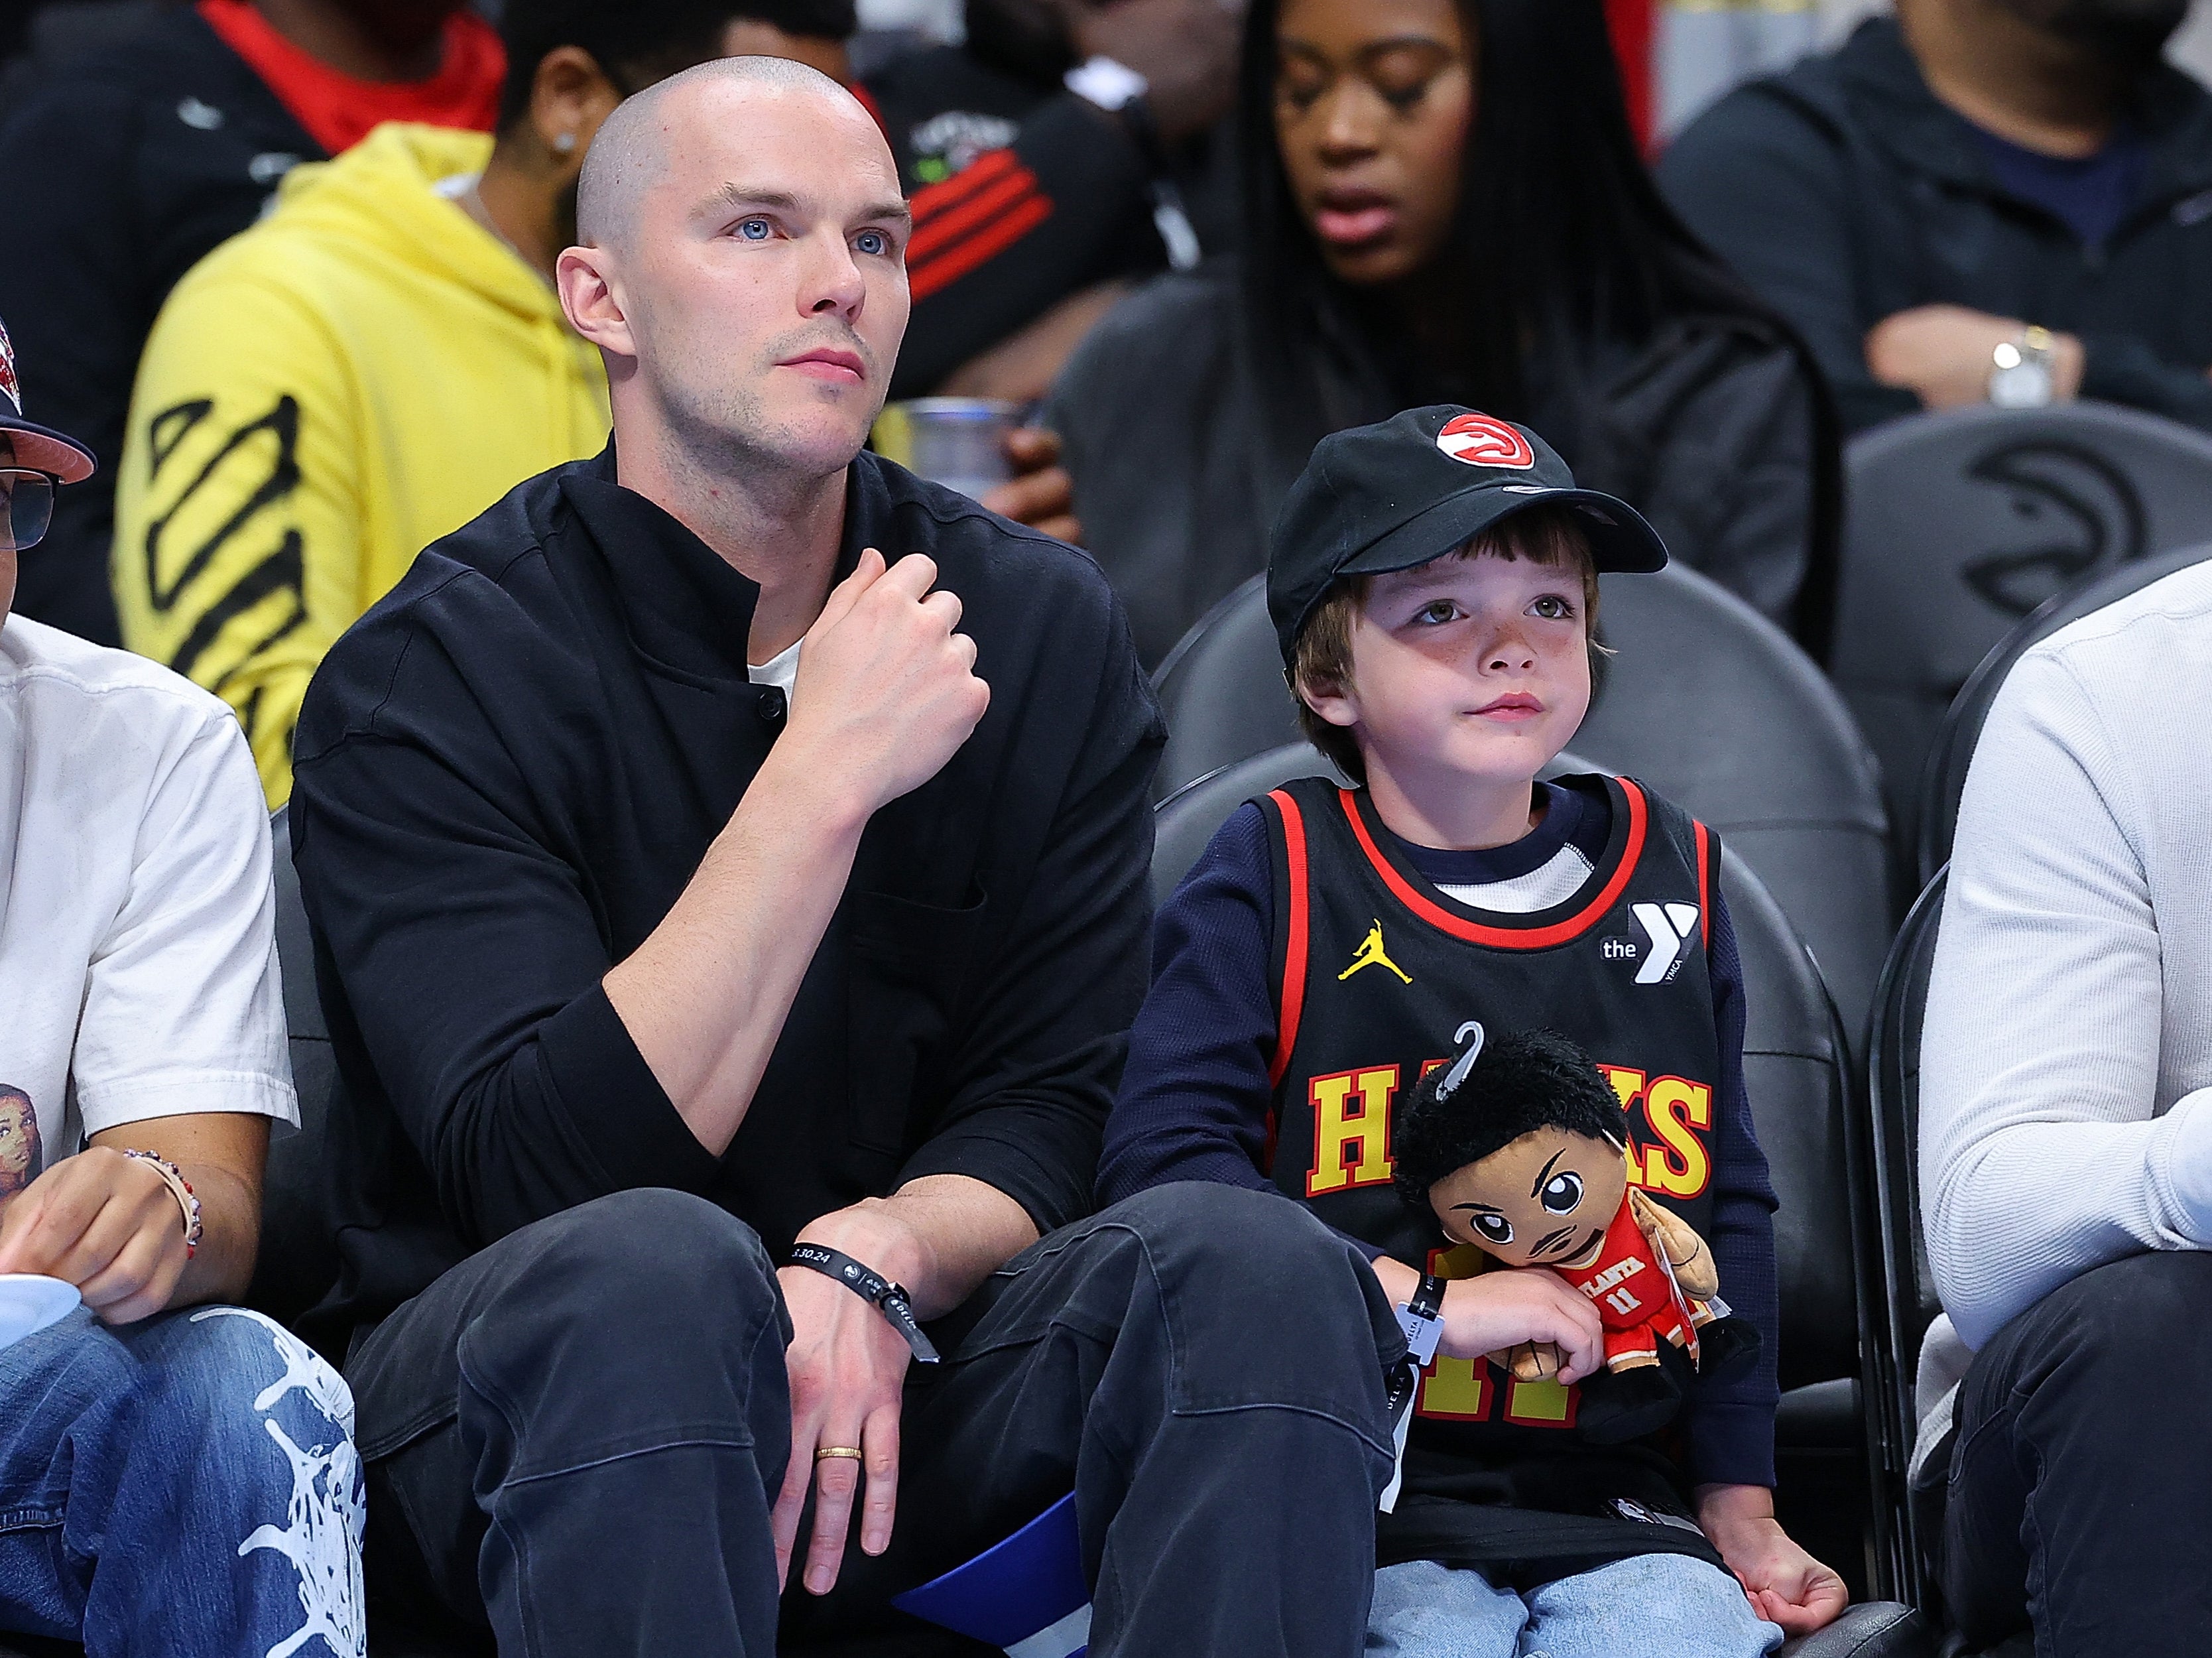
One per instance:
(1422,1320)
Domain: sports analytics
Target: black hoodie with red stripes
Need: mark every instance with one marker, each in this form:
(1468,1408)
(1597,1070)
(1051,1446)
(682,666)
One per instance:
(1023,194)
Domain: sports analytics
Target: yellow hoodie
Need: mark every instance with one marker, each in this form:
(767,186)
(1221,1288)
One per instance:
(322,396)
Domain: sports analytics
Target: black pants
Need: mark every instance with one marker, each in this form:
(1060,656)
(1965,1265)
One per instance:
(575,1437)
(2080,1484)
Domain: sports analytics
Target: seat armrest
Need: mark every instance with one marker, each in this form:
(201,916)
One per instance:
(1874,1628)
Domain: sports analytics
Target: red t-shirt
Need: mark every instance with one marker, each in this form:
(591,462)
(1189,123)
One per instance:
(338,111)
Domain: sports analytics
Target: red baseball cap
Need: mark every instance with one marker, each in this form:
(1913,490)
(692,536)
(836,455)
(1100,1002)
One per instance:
(39,447)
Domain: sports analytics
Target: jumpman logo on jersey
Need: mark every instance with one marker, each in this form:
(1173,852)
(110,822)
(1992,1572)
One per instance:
(1372,954)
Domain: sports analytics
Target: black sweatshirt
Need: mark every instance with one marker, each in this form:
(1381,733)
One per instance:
(1023,194)
(124,165)
(1844,191)
(508,770)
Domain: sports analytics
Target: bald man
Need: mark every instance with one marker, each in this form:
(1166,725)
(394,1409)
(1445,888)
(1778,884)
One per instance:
(728,863)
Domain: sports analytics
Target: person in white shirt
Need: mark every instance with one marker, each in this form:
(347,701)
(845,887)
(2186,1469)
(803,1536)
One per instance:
(2066,1139)
(177,1477)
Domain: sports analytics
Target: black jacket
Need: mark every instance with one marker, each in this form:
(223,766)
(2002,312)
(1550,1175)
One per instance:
(508,770)
(1715,430)
(1844,191)
(124,165)
(1023,194)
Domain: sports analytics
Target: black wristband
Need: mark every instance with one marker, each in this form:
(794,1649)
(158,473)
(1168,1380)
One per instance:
(1428,1297)
(888,1298)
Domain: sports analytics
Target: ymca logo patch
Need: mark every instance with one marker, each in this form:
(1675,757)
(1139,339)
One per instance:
(1671,931)
(1482,440)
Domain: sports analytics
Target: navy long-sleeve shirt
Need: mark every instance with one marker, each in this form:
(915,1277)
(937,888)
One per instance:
(1194,1093)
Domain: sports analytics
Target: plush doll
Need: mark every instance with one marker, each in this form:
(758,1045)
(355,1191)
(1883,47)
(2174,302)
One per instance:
(1517,1146)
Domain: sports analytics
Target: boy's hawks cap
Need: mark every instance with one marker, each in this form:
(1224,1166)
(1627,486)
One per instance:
(1388,496)
(37,447)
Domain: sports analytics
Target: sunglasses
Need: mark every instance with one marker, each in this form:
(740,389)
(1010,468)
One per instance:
(26,506)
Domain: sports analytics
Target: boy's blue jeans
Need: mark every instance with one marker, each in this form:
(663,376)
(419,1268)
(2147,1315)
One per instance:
(182,1488)
(1654,1604)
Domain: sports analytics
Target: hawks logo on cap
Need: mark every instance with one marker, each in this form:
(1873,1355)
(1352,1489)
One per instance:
(1480,440)
(7,387)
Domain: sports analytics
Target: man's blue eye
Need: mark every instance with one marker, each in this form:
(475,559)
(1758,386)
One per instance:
(873,242)
(753,229)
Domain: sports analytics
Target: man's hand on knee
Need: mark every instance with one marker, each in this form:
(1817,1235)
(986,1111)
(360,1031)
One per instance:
(847,1368)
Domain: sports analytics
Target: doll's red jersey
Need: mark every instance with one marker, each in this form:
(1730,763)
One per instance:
(1630,1284)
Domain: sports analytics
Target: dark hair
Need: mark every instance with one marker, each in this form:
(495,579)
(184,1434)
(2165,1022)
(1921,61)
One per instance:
(1322,658)
(638,42)
(1523,1080)
(1559,227)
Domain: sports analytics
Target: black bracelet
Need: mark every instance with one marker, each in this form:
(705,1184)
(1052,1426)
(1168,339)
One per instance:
(888,1298)
(1429,1297)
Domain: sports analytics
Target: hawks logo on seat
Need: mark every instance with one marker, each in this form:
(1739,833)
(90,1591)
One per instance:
(1481,441)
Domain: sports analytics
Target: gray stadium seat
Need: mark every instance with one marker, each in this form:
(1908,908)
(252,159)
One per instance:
(1961,524)
(299,1260)
(1707,701)
(1909,1297)
(1946,779)
(1830,1429)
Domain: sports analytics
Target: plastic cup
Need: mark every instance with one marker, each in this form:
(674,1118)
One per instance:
(957,441)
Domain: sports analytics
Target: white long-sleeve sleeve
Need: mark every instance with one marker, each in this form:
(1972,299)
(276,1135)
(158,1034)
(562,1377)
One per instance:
(2067,1045)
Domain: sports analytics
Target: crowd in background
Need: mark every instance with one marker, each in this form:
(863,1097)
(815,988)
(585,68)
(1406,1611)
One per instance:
(289,269)
(1344,209)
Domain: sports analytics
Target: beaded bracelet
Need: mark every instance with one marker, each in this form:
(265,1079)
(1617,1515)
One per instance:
(181,1189)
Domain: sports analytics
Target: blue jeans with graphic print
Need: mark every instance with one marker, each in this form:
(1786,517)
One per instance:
(186,1487)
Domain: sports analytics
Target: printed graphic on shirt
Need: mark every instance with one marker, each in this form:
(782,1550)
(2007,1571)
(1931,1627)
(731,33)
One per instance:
(971,218)
(1352,1130)
(19,1141)
(1671,932)
(1372,954)
(322,1530)
(950,144)
(223,569)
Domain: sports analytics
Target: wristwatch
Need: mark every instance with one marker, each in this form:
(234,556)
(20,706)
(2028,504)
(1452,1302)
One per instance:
(888,1298)
(2023,377)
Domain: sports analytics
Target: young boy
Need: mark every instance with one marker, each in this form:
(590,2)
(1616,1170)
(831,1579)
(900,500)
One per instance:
(1434,587)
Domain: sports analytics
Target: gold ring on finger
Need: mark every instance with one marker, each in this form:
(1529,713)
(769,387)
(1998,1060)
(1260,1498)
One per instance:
(824,1453)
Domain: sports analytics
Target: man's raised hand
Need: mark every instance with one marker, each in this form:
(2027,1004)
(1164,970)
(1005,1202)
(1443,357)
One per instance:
(886,690)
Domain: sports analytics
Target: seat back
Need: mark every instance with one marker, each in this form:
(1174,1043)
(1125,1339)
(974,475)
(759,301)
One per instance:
(1908,1284)
(1707,701)
(299,1258)
(1946,777)
(1963,523)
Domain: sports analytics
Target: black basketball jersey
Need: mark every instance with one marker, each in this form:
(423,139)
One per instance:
(1377,971)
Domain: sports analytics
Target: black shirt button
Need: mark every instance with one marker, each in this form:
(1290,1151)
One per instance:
(769,704)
